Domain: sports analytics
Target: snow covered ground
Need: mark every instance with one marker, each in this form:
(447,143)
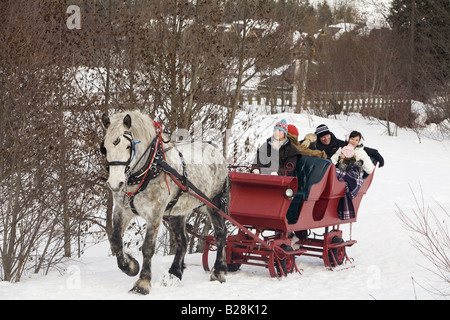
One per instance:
(386,265)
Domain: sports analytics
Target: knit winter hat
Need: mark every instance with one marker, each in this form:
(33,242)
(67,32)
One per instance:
(293,130)
(282,125)
(322,130)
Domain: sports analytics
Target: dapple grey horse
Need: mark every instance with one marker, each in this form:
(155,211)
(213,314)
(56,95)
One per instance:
(135,149)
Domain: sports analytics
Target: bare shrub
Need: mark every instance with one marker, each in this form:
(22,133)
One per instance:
(430,236)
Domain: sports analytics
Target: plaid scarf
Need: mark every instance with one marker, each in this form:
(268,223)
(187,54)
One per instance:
(353,182)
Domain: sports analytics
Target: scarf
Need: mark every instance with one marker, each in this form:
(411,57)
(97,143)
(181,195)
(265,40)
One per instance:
(277,144)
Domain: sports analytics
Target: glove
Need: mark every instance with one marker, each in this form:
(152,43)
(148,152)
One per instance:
(379,159)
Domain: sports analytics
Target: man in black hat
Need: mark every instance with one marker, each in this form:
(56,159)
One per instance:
(327,141)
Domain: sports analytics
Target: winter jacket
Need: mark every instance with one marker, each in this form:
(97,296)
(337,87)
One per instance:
(282,161)
(359,156)
(331,148)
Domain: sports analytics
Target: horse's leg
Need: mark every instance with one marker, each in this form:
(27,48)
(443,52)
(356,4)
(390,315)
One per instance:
(142,286)
(220,234)
(221,200)
(126,263)
(178,226)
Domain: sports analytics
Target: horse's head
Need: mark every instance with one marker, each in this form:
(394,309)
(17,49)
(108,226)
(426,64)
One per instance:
(120,148)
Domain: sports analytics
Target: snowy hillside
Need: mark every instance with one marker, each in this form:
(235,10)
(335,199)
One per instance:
(386,265)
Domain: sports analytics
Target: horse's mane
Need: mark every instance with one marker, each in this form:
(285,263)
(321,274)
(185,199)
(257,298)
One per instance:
(141,126)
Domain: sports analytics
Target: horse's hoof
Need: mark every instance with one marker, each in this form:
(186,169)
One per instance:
(129,265)
(177,273)
(219,276)
(133,268)
(170,281)
(141,287)
(140,291)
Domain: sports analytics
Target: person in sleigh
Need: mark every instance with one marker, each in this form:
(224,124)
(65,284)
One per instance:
(351,162)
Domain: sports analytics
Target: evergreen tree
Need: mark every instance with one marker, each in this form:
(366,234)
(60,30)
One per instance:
(325,16)
(423,27)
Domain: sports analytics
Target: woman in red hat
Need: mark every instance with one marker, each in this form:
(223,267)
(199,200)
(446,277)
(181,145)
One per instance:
(304,146)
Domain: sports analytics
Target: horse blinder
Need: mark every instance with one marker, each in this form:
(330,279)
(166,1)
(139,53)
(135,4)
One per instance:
(102,148)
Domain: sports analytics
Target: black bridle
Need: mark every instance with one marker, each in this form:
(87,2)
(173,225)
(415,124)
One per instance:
(129,136)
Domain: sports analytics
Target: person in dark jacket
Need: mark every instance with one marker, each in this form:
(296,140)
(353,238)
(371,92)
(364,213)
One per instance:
(307,146)
(277,155)
(328,142)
